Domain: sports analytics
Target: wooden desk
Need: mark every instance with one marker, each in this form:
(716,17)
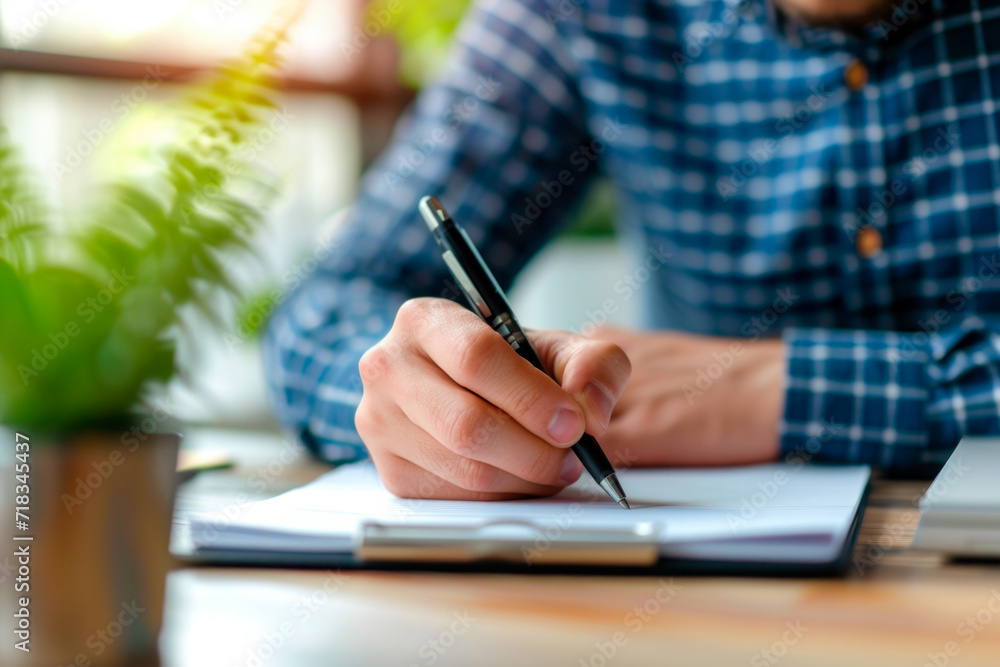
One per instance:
(893,608)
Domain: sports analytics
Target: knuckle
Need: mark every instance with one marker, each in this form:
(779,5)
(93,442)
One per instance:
(467,429)
(525,400)
(430,486)
(414,311)
(478,349)
(369,422)
(544,469)
(476,476)
(374,364)
(394,480)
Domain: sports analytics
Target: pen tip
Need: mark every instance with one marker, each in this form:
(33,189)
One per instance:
(624,503)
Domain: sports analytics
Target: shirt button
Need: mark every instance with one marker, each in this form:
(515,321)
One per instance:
(856,75)
(868,241)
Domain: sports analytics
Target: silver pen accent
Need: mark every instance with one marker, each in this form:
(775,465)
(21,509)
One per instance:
(614,489)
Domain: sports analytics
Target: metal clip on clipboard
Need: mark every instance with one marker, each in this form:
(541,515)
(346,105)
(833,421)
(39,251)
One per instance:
(514,541)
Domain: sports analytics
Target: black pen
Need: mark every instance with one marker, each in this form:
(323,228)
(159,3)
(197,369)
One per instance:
(488,301)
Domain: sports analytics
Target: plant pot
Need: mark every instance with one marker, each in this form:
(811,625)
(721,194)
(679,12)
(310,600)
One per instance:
(97,536)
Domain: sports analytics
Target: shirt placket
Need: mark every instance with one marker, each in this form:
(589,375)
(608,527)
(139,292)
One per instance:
(867,196)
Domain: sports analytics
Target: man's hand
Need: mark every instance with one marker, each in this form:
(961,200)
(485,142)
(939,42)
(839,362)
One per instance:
(449,410)
(696,400)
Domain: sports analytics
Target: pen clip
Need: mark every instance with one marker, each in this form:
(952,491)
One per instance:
(465,283)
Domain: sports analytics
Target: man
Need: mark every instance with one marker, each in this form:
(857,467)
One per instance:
(822,177)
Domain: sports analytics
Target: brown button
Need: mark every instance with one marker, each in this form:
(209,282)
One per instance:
(868,241)
(856,75)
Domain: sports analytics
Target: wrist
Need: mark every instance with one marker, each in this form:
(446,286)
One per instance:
(765,400)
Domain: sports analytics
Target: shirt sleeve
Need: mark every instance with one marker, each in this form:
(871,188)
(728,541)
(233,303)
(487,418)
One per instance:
(502,141)
(901,401)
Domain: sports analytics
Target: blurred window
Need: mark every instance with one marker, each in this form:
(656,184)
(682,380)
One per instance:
(180,32)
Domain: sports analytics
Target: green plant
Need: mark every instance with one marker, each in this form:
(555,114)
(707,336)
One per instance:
(90,315)
(423,29)
(253,311)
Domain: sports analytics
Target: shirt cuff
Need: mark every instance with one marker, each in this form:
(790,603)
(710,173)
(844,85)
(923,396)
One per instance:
(856,397)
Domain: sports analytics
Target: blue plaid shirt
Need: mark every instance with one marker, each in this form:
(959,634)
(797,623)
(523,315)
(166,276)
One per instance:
(840,190)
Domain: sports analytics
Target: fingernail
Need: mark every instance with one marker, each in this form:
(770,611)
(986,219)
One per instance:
(602,400)
(571,469)
(565,426)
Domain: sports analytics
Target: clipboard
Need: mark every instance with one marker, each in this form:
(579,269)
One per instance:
(512,546)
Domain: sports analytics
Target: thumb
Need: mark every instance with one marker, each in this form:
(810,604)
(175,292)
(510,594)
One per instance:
(594,372)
